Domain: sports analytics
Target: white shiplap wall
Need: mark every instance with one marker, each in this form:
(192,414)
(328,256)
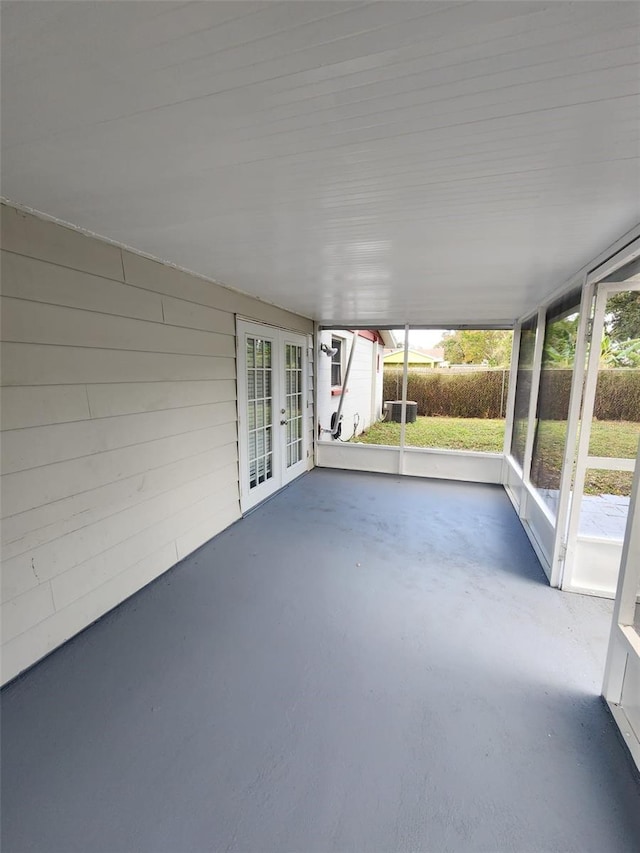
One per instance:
(119,432)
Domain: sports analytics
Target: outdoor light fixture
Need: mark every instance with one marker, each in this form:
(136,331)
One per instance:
(327,350)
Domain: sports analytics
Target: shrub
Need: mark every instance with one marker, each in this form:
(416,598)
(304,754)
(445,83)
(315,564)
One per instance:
(618,395)
(554,393)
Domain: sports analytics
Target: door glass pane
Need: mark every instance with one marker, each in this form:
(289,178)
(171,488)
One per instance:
(259,410)
(293,403)
(523,389)
(616,413)
(558,359)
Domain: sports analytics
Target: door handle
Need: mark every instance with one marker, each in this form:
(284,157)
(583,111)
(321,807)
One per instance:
(283,423)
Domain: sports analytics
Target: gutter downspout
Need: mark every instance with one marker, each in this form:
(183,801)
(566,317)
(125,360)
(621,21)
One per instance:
(334,431)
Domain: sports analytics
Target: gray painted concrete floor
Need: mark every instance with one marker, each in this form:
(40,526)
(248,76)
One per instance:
(366,663)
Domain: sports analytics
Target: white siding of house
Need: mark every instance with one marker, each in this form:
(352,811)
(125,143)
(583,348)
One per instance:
(119,425)
(363,399)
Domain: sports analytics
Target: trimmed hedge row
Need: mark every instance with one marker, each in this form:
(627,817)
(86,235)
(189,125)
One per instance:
(483,394)
(618,395)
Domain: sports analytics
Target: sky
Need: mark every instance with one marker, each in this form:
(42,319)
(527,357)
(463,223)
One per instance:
(426,338)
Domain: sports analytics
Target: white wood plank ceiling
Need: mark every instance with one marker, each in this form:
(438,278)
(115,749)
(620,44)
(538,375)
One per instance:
(357,162)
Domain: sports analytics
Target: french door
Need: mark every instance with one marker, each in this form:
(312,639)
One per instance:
(272,410)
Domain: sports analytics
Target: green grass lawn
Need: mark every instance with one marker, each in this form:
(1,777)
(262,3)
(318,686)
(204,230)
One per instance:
(608,438)
(445,433)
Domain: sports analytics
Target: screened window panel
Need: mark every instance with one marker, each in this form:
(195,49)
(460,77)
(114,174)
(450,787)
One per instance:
(523,389)
(558,358)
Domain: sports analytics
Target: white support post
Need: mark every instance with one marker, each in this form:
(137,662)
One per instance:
(403,419)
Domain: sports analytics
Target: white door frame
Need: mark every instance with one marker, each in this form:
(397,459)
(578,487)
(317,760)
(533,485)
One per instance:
(281,473)
(622,669)
(583,342)
(577,546)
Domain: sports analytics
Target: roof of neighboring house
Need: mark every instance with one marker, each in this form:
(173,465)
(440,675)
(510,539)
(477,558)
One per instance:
(415,357)
(436,352)
(388,338)
(383,336)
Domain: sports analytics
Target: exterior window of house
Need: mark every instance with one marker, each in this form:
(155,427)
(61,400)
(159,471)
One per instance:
(336,362)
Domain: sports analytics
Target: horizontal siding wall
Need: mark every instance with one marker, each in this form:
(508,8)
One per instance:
(119,425)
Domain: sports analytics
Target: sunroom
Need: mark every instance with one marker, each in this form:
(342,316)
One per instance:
(228,622)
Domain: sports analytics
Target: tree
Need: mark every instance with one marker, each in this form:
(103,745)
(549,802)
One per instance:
(560,347)
(560,342)
(469,346)
(623,316)
(619,354)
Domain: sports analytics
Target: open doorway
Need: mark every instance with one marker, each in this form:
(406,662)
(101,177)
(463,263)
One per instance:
(609,433)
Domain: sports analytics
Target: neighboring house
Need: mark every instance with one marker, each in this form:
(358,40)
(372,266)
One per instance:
(417,358)
(360,392)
